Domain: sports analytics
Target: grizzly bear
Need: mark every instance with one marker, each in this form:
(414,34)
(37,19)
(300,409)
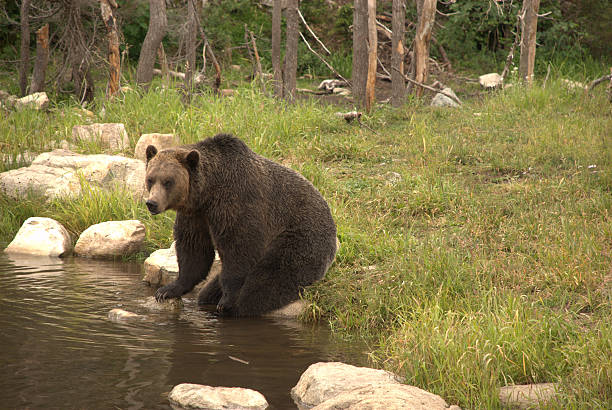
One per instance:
(272,229)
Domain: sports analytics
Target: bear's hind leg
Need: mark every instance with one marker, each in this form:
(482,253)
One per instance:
(211,292)
(291,263)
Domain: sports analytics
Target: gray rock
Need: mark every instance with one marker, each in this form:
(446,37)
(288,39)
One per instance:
(291,311)
(197,396)
(111,239)
(36,101)
(527,395)
(390,396)
(160,141)
(120,315)
(491,80)
(59,173)
(111,135)
(324,381)
(41,236)
(441,100)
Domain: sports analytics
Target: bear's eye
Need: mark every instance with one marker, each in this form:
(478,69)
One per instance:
(149,183)
(168,183)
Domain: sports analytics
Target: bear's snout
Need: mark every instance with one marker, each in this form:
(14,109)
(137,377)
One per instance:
(153,207)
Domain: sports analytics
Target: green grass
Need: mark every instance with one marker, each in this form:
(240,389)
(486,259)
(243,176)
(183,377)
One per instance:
(476,243)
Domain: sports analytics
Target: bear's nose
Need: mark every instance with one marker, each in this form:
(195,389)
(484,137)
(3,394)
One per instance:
(152,205)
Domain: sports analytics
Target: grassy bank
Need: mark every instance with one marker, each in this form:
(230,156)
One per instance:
(476,243)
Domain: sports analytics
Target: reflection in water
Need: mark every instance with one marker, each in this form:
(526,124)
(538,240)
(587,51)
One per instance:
(59,350)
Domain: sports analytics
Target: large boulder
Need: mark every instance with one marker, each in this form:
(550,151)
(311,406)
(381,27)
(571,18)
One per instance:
(197,396)
(160,141)
(389,396)
(161,267)
(59,173)
(490,81)
(111,239)
(334,385)
(41,236)
(323,381)
(111,135)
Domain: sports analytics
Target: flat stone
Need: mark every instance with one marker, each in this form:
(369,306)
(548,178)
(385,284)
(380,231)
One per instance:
(527,395)
(111,239)
(291,311)
(59,173)
(441,100)
(491,80)
(111,135)
(324,381)
(390,396)
(41,236)
(160,141)
(120,315)
(197,396)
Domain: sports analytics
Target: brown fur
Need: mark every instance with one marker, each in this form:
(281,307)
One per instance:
(272,229)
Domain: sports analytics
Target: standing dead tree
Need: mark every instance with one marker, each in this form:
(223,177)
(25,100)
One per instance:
(370,93)
(158,24)
(290,66)
(360,51)
(254,54)
(276,49)
(42,59)
(427,15)
(24,64)
(528,39)
(114,61)
(190,63)
(397,54)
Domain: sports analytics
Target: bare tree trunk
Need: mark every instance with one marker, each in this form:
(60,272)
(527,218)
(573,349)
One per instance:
(290,66)
(84,86)
(610,87)
(422,39)
(190,64)
(372,60)
(276,49)
(42,59)
(398,83)
(114,62)
(360,51)
(528,39)
(24,64)
(163,62)
(158,24)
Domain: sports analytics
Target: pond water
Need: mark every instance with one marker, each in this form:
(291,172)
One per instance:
(58,349)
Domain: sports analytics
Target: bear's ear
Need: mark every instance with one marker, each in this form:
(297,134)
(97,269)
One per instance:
(192,160)
(151,152)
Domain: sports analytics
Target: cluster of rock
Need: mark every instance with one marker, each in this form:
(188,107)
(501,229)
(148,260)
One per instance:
(322,386)
(335,385)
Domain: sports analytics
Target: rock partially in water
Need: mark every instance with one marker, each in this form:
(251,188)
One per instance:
(160,141)
(59,173)
(527,396)
(167,305)
(120,315)
(323,381)
(111,239)
(111,135)
(391,396)
(291,311)
(197,396)
(161,267)
(41,236)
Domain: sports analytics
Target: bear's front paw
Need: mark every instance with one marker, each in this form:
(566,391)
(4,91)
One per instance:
(226,306)
(170,291)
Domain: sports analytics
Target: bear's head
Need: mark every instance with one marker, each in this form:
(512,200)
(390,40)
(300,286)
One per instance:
(167,178)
